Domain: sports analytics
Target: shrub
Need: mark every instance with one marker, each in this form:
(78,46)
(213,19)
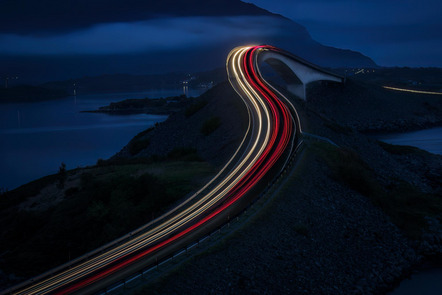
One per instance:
(98,210)
(143,133)
(195,107)
(71,191)
(62,176)
(137,146)
(210,125)
(351,170)
(183,154)
(140,142)
(301,229)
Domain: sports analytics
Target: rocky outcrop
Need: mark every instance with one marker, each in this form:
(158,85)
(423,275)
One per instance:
(318,235)
(184,129)
(371,108)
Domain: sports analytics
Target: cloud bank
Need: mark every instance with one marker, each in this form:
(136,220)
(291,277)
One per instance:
(158,34)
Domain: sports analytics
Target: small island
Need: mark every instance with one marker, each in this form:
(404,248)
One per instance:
(154,106)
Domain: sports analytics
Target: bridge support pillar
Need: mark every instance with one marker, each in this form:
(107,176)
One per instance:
(298,90)
(292,68)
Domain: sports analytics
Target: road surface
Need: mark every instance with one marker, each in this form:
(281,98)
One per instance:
(266,147)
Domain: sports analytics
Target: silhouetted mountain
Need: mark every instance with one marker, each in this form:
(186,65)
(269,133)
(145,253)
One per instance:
(58,40)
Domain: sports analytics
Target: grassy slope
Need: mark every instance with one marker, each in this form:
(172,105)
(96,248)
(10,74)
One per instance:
(334,216)
(314,235)
(58,217)
(95,205)
(361,168)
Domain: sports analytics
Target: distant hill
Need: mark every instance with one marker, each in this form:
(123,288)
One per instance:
(227,23)
(135,83)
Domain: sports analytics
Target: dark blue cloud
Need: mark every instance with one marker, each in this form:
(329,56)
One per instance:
(152,35)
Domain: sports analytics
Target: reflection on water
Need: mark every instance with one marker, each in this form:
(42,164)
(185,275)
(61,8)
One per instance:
(37,137)
(428,139)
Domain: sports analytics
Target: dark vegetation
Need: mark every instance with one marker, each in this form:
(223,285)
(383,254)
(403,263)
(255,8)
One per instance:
(183,128)
(158,106)
(136,146)
(27,93)
(323,227)
(210,125)
(20,194)
(64,215)
(94,206)
(139,142)
(62,176)
(195,107)
(117,184)
(326,237)
(187,154)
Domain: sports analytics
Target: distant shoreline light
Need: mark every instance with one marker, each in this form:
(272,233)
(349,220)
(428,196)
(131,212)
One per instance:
(413,91)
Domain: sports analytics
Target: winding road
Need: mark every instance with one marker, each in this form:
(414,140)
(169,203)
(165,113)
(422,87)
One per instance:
(270,141)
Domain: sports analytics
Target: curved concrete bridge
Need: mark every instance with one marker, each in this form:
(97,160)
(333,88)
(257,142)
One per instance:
(267,146)
(296,71)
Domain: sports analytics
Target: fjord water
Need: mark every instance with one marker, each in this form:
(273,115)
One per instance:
(427,139)
(37,137)
(426,282)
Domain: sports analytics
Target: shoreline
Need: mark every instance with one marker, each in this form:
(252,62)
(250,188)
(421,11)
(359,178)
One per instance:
(130,112)
(151,106)
(410,127)
(325,208)
(425,264)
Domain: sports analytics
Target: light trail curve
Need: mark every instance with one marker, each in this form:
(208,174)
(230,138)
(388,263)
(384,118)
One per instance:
(264,150)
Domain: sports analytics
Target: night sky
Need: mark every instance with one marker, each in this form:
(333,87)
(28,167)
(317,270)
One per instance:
(392,33)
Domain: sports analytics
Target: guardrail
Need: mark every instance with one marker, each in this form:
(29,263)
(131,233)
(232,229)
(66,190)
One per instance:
(142,274)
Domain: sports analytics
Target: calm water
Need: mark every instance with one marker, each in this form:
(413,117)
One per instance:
(428,139)
(427,282)
(35,138)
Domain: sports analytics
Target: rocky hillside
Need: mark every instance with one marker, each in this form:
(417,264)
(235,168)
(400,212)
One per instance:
(213,125)
(368,107)
(351,218)
(51,220)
